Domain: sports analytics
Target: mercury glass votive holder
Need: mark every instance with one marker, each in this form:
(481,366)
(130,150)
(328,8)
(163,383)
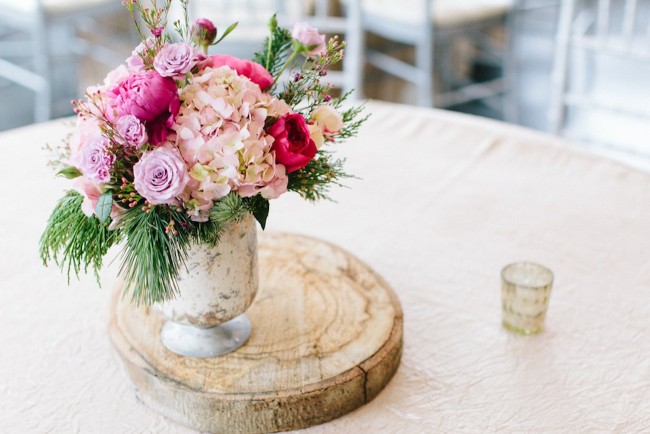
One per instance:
(525,291)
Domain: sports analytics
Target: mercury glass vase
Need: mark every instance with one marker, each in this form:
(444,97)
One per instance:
(207,319)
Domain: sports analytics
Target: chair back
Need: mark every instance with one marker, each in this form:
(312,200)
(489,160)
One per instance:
(600,73)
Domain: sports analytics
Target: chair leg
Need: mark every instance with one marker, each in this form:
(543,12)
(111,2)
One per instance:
(354,60)
(424,63)
(509,97)
(41,60)
(560,67)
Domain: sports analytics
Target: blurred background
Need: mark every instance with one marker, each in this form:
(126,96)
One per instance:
(576,68)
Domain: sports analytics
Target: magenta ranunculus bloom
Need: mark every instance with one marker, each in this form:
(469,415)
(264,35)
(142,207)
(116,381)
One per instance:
(176,60)
(161,175)
(146,95)
(254,71)
(293,144)
(131,131)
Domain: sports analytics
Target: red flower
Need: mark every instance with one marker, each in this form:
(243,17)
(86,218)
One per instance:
(254,71)
(293,145)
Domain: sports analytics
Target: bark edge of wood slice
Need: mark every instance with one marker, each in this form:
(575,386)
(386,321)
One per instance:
(327,338)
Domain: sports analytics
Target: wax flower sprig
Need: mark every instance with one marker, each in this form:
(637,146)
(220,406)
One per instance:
(176,143)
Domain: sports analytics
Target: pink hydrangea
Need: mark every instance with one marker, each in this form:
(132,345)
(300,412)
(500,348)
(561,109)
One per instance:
(220,134)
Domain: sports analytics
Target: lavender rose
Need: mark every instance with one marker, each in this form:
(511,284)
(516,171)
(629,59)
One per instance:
(175,60)
(161,175)
(94,161)
(131,131)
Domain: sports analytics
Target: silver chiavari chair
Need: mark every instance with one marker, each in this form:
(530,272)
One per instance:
(596,98)
(430,26)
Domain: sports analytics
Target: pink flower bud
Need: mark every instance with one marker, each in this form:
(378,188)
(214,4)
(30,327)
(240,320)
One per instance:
(203,32)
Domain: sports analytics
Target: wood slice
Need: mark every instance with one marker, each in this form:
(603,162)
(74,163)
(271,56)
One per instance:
(327,338)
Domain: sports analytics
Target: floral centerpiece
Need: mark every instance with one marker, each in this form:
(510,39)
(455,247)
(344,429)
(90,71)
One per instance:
(175,144)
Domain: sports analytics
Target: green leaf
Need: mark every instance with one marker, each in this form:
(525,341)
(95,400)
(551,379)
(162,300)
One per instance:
(261,211)
(69,172)
(104,206)
(227,32)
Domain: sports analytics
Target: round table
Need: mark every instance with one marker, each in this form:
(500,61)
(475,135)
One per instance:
(443,202)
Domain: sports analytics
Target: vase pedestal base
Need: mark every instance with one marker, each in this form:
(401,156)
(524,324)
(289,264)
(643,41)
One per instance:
(326,338)
(186,340)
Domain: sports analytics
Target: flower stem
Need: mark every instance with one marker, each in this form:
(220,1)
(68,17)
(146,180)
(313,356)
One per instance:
(287,63)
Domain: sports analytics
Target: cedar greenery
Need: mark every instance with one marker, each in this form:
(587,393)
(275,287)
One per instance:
(74,241)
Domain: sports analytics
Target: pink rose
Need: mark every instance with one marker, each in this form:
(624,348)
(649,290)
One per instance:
(175,60)
(94,160)
(293,144)
(309,37)
(161,175)
(254,71)
(131,131)
(328,119)
(203,32)
(149,97)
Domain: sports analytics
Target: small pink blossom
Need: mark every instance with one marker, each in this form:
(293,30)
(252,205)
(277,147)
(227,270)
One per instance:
(309,37)
(176,60)
(328,119)
(131,131)
(161,175)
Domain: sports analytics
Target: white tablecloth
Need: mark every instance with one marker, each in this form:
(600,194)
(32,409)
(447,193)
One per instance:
(444,202)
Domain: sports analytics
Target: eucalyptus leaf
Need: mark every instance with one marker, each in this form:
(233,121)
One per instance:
(104,206)
(69,172)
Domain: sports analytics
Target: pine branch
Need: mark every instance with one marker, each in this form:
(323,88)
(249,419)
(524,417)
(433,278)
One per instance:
(314,181)
(153,254)
(277,48)
(74,241)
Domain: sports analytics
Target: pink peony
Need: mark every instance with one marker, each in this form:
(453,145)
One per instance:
(254,71)
(309,37)
(93,159)
(293,144)
(161,175)
(146,95)
(131,131)
(149,97)
(176,60)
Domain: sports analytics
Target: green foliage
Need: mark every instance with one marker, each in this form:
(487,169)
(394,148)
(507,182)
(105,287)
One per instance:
(69,172)
(154,252)
(277,48)
(314,181)
(74,241)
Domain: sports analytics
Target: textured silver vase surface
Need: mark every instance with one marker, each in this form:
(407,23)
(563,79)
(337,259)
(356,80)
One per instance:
(206,319)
